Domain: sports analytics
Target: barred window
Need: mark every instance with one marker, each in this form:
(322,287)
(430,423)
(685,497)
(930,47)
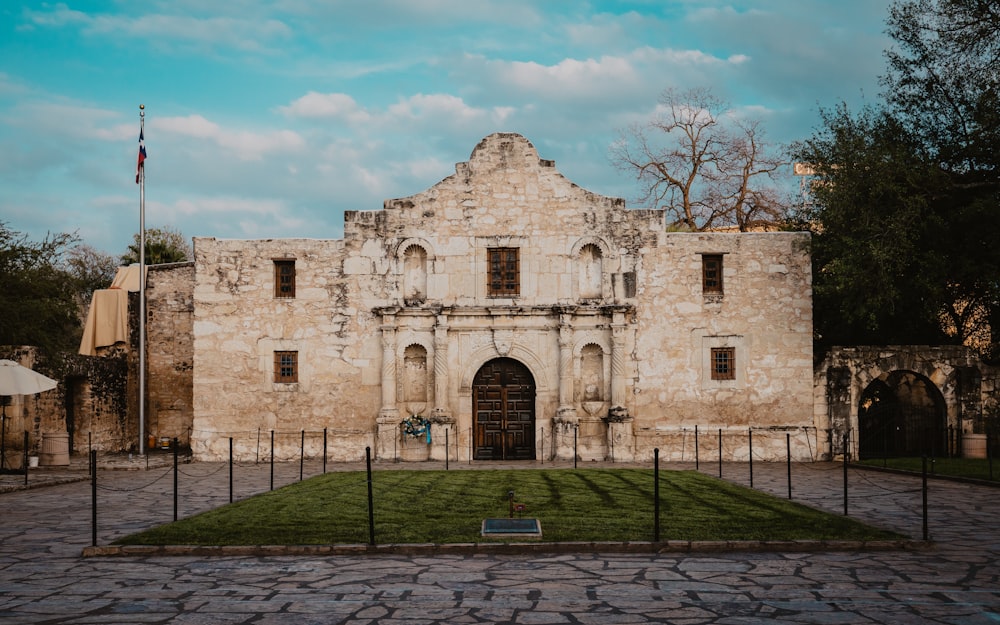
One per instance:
(284,278)
(711,274)
(723,363)
(286,367)
(504,272)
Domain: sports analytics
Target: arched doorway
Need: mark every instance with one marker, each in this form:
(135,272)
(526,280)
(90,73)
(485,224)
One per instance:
(902,414)
(503,408)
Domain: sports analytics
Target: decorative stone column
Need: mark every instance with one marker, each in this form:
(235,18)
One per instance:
(443,434)
(566,408)
(621,440)
(441,407)
(618,411)
(388,416)
(566,423)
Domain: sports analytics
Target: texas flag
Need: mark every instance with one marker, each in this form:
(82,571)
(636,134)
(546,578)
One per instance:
(142,156)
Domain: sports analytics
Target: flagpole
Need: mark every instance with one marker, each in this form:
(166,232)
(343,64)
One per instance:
(142,292)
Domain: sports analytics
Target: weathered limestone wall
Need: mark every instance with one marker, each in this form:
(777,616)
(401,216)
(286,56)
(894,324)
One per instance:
(765,313)
(238,324)
(396,319)
(170,351)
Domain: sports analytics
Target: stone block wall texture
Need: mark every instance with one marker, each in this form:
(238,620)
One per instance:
(609,318)
(170,352)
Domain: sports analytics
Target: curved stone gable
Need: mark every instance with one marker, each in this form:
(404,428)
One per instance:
(504,170)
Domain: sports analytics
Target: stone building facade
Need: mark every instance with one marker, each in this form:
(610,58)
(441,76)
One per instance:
(503,313)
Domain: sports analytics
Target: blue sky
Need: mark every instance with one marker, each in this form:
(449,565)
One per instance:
(269,118)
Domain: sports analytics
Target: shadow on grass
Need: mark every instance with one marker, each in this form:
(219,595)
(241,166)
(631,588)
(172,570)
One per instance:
(441,507)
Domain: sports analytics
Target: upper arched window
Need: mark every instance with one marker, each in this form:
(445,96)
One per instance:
(590,272)
(414,275)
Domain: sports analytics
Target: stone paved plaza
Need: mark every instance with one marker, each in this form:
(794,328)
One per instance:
(44,578)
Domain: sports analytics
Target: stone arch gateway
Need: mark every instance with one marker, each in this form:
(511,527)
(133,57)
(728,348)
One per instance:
(898,399)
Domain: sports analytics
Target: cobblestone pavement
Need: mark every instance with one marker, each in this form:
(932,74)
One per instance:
(44,579)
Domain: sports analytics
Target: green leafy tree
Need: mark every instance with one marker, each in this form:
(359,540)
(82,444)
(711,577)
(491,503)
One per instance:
(91,269)
(37,294)
(163,245)
(907,196)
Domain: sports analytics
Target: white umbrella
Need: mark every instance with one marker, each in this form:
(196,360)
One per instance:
(18,380)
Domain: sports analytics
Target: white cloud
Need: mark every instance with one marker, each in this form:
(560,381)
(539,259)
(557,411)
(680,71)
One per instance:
(245,145)
(162,29)
(326,105)
(436,105)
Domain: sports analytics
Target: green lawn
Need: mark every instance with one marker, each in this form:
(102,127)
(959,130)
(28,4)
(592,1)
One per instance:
(977,468)
(449,507)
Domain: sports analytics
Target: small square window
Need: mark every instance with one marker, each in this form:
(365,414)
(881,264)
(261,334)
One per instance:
(723,363)
(284,278)
(711,274)
(504,272)
(286,367)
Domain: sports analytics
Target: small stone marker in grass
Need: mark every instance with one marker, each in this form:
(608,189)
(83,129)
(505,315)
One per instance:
(507,528)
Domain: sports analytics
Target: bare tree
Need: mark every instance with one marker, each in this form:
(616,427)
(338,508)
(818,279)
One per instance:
(706,167)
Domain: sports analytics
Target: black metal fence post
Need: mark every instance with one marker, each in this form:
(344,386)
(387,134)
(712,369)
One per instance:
(324,450)
(656,494)
(371,499)
(696,459)
(989,450)
(302,455)
(576,428)
(93,498)
(272,459)
(25,459)
(750,444)
(720,453)
(788,461)
(230,469)
(924,495)
(447,446)
(845,473)
(175,478)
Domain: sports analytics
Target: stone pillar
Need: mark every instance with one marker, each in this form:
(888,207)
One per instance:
(441,407)
(566,423)
(567,410)
(618,410)
(388,416)
(621,440)
(441,419)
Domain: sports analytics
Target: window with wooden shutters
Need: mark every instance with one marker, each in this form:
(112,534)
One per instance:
(504,272)
(711,274)
(723,363)
(286,367)
(284,278)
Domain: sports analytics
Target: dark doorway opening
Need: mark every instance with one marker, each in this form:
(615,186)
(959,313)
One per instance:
(902,414)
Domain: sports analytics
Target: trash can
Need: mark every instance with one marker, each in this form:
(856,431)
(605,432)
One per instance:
(55,449)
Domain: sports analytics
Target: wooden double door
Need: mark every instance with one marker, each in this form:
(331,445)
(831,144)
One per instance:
(503,408)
